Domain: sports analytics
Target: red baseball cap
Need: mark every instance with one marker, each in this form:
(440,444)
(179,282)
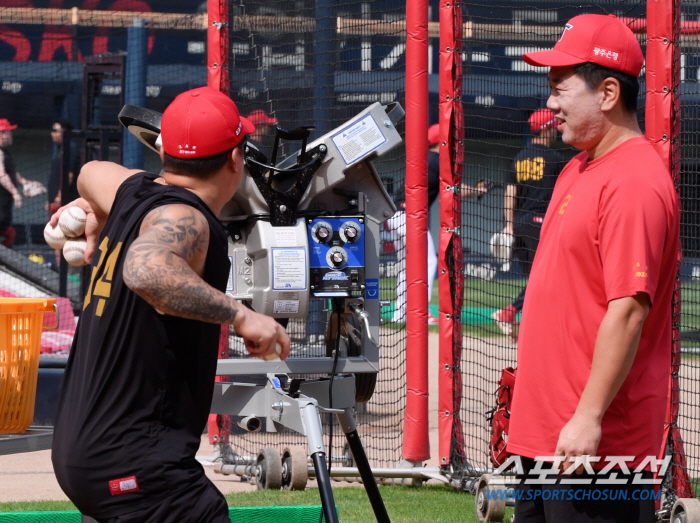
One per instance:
(259,117)
(202,122)
(433,134)
(5,125)
(601,39)
(542,119)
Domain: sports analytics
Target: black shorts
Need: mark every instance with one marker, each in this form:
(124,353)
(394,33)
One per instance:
(199,502)
(546,503)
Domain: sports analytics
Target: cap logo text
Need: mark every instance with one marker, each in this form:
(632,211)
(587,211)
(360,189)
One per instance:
(606,53)
(187,150)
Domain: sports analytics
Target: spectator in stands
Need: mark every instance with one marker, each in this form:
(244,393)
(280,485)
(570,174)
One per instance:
(397,225)
(139,382)
(56,180)
(10,181)
(594,349)
(528,191)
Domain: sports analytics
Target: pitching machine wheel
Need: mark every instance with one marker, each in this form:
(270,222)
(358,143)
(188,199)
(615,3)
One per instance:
(488,508)
(295,469)
(268,475)
(350,330)
(686,510)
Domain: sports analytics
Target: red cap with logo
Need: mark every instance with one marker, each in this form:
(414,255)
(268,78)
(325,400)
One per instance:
(5,125)
(542,119)
(601,39)
(202,122)
(433,134)
(259,117)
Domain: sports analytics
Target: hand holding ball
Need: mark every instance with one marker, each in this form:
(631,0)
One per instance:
(72,221)
(276,356)
(54,237)
(74,251)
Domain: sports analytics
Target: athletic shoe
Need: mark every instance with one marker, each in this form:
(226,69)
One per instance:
(505,319)
(432,320)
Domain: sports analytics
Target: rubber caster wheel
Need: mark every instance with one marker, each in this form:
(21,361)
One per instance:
(489,506)
(268,471)
(295,469)
(685,510)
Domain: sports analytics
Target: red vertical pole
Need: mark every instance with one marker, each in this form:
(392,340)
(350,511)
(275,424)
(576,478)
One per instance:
(218,426)
(416,445)
(450,251)
(217,15)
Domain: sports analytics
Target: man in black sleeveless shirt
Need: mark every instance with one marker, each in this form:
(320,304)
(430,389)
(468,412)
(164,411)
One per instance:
(529,188)
(139,380)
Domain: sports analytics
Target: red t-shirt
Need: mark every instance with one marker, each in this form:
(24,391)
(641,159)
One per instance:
(611,230)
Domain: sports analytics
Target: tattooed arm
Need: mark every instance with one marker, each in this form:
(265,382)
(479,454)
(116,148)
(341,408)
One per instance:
(164,266)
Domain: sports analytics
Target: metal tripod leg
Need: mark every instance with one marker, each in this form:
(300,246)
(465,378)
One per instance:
(347,423)
(314,435)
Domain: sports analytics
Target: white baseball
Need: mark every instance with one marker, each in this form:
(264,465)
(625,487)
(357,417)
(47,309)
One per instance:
(276,356)
(54,236)
(74,251)
(72,221)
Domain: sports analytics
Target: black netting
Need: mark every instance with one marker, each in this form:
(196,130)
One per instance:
(319,64)
(686,167)
(68,62)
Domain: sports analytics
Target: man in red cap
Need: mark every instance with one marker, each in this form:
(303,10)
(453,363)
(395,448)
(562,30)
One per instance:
(139,381)
(594,350)
(529,188)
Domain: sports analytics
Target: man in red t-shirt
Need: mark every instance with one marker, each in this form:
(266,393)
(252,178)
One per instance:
(594,351)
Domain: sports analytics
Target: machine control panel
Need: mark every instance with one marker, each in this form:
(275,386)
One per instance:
(337,256)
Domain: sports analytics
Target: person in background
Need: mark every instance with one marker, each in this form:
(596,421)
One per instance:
(10,182)
(264,133)
(529,188)
(56,181)
(397,225)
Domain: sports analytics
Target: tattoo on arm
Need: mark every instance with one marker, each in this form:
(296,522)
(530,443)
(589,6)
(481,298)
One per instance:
(161,266)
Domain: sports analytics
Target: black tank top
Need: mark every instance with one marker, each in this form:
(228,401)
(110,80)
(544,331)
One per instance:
(138,385)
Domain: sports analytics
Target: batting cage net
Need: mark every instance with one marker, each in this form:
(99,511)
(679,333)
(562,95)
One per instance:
(492,132)
(66,70)
(319,64)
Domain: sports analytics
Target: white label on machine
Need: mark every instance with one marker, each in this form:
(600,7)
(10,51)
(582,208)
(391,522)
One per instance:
(358,140)
(229,285)
(286,307)
(285,236)
(289,269)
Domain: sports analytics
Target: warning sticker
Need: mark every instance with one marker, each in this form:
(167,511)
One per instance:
(358,140)
(285,307)
(289,269)
(285,236)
